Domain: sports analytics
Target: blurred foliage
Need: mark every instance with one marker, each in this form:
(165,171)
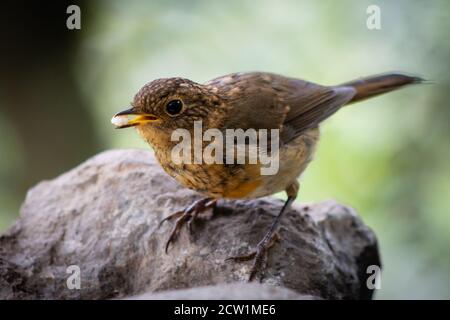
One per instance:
(387,157)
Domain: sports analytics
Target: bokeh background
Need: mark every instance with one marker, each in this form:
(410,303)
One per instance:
(389,157)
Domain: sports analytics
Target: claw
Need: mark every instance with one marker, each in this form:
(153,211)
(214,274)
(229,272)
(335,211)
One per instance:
(178,224)
(188,215)
(245,257)
(170,217)
(259,255)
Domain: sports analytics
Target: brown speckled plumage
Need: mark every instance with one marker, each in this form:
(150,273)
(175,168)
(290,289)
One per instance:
(242,100)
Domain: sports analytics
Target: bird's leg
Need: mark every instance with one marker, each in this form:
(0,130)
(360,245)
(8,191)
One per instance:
(187,216)
(259,255)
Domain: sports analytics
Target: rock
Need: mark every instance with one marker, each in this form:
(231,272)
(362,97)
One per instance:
(102,217)
(227,291)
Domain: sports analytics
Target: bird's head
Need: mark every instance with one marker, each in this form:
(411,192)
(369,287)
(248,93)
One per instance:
(168,104)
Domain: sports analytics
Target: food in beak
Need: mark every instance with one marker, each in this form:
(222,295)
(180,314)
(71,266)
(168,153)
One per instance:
(120,121)
(129,118)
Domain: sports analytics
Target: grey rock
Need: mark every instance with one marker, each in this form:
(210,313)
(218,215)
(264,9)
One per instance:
(227,291)
(103,217)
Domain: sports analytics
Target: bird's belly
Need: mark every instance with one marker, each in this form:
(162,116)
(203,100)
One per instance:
(294,157)
(246,181)
(217,180)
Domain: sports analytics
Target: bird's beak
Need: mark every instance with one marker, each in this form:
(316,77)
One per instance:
(131,117)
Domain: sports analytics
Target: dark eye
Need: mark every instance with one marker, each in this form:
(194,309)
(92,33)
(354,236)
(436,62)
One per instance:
(174,107)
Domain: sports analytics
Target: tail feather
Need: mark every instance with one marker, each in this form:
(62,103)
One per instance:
(379,84)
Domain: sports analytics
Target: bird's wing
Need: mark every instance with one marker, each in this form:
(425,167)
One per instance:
(269,101)
(250,101)
(310,104)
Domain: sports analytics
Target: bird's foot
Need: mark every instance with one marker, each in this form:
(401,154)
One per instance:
(187,216)
(259,255)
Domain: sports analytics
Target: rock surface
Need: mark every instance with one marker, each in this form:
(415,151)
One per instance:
(227,291)
(103,217)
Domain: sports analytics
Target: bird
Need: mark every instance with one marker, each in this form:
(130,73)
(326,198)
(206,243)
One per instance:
(294,107)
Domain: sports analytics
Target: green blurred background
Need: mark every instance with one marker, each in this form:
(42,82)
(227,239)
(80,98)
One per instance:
(389,157)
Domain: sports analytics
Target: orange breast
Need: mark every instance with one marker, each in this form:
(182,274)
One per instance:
(242,190)
(244,182)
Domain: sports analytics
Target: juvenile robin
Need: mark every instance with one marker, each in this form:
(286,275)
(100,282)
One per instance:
(254,100)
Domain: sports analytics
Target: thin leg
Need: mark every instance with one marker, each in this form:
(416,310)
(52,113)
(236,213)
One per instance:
(260,253)
(187,216)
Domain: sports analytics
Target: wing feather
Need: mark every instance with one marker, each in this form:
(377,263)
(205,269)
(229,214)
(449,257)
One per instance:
(265,100)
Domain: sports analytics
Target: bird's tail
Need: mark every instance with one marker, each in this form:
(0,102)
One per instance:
(379,84)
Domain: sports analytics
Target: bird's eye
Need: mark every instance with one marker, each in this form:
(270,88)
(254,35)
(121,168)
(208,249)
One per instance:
(174,107)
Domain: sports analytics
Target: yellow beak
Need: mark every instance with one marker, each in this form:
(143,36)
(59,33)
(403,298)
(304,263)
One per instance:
(122,119)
